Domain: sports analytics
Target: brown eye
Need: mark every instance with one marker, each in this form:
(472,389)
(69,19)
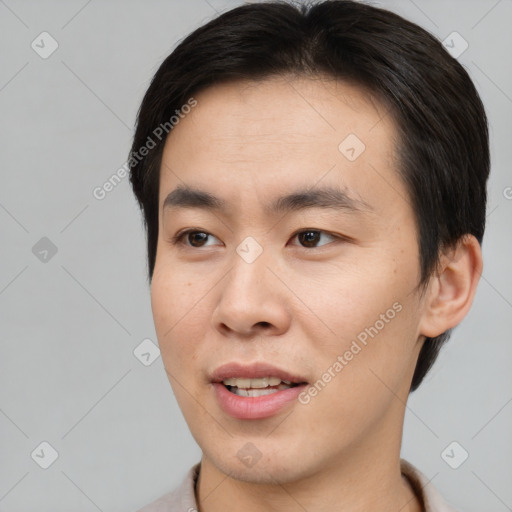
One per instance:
(310,237)
(197,238)
(191,238)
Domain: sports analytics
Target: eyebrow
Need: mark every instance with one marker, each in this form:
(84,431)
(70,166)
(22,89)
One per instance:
(325,196)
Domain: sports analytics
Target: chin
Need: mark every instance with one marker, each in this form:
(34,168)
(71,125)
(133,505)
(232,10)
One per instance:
(277,468)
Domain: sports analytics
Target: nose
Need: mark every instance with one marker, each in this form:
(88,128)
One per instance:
(252,300)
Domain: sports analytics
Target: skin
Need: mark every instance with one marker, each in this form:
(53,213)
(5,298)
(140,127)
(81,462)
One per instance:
(298,305)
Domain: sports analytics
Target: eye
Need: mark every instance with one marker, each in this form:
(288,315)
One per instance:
(195,237)
(310,237)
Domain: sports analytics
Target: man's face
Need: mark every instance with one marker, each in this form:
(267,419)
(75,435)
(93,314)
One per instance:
(300,288)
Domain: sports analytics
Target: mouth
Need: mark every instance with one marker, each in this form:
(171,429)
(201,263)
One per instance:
(255,391)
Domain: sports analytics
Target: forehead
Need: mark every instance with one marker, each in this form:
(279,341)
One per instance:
(281,132)
(294,108)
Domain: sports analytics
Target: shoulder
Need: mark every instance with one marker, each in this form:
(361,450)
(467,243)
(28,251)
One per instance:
(181,499)
(428,494)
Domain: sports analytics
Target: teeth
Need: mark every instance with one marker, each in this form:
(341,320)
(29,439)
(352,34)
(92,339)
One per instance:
(255,383)
(257,392)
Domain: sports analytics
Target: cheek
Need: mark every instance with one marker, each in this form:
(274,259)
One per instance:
(174,291)
(349,296)
(362,374)
(372,319)
(178,314)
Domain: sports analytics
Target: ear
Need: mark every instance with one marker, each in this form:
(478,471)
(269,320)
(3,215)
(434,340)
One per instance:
(452,288)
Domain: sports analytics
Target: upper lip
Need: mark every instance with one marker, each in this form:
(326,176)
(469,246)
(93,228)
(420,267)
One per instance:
(253,371)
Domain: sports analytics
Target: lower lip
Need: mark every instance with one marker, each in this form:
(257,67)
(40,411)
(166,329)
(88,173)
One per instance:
(255,407)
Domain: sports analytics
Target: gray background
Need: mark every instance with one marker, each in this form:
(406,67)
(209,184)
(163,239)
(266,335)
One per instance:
(70,321)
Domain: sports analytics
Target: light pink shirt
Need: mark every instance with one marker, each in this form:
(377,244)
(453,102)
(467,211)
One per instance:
(183,499)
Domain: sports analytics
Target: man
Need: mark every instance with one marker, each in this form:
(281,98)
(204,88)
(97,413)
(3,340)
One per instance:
(313,182)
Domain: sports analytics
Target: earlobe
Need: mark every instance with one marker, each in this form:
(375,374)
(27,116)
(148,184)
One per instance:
(452,289)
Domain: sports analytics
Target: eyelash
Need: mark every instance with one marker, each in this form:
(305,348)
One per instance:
(178,238)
